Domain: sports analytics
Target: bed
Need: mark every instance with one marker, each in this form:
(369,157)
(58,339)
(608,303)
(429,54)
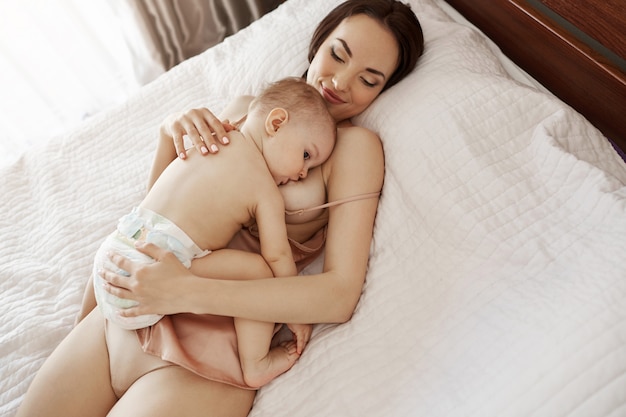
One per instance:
(497,280)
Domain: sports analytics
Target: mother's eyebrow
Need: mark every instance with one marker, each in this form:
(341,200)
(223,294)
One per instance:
(346,47)
(349,52)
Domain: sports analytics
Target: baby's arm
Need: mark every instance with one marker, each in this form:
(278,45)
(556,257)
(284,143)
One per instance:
(276,251)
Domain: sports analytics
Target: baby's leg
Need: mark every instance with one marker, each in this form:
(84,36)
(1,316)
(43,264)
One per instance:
(259,363)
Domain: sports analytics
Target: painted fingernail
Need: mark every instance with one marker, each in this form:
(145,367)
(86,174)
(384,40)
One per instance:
(181,155)
(225,140)
(214,148)
(204,150)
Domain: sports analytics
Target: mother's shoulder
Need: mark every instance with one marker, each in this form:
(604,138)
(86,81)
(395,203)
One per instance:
(358,154)
(351,137)
(357,142)
(353,132)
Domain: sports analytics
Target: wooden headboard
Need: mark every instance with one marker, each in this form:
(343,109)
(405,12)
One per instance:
(575,48)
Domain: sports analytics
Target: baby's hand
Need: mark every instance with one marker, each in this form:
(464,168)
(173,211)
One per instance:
(302,335)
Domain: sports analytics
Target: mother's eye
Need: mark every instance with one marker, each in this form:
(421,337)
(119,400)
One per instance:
(334,55)
(307,155)
(369,84)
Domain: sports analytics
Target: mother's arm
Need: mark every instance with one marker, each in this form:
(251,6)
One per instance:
(355,167)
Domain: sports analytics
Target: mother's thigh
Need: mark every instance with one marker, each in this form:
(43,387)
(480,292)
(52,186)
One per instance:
(175,391)
(75,379)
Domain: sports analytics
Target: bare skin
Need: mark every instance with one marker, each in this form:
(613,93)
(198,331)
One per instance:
(166,392)
(285,141)
(356,166)
(278,360)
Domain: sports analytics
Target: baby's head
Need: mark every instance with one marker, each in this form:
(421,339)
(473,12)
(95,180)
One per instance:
(300,132)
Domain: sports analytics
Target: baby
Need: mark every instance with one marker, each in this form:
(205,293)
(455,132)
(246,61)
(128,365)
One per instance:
(287,131)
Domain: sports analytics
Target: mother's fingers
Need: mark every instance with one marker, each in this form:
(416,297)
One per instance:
(211,128)
(172,129)
(132,312)
(122,262)
(132,268)
(115,284)
(155,252)
(205,130)
(197,131)
(200,126)
(178,136)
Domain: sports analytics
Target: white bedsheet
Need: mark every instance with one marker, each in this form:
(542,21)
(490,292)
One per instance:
(497,281)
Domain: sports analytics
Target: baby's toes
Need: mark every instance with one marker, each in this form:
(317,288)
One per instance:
(290,347)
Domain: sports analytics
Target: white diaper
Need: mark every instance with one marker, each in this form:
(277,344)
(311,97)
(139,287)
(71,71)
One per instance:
(140,224)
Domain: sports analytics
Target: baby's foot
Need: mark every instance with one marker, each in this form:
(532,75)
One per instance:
(278,360)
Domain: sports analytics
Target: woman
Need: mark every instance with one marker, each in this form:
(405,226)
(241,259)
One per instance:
(361,48)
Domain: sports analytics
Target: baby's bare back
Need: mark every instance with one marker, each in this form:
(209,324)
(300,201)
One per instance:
(211,197)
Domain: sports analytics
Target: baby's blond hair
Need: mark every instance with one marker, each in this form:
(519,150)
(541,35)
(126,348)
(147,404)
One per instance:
(297,97)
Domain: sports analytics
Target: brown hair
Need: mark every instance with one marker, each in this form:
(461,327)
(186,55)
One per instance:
(396,16)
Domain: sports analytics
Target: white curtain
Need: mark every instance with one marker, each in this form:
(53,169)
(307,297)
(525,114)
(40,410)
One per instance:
(60,62)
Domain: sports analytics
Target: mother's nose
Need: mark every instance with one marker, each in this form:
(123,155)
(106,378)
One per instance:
(340,82)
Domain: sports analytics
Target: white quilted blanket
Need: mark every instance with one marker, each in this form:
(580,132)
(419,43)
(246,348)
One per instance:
(497,281)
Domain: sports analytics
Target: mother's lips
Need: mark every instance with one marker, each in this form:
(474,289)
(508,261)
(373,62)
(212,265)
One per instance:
(331,97)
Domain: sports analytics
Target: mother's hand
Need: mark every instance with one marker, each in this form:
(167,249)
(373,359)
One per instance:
(201,126)
(156,287)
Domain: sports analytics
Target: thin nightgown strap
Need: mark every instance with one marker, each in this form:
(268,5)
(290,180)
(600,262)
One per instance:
(334,203)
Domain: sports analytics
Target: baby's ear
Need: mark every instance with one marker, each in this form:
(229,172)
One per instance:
(275,119)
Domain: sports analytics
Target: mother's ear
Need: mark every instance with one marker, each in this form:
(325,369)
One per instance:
(276,118)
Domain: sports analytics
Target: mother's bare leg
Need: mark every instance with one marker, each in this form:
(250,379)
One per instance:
(75,379)
(175,391)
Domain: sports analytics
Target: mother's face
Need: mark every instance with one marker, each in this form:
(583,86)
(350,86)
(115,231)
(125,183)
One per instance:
(352,65)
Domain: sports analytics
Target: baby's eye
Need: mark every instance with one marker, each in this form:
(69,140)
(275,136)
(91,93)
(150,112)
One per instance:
(306,155)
